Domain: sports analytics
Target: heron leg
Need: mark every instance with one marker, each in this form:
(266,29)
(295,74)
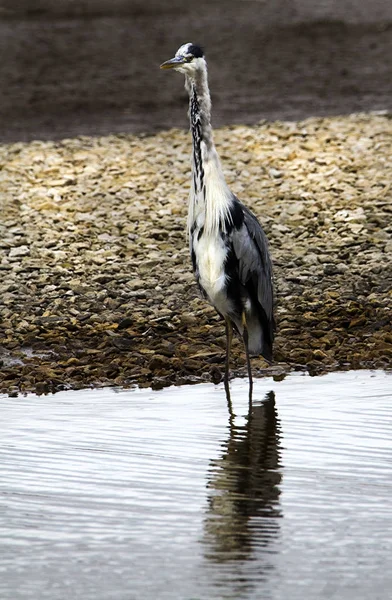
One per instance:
(246,344)
(229,337)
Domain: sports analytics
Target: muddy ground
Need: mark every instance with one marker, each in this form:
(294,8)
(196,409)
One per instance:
(91,67)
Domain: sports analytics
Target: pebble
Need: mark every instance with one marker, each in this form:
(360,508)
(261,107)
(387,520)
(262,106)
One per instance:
(19,251)
(95,269)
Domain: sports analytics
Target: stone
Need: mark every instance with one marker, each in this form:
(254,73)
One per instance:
(19,251)
(95,269)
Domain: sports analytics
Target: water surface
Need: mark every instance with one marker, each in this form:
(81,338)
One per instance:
(138,494)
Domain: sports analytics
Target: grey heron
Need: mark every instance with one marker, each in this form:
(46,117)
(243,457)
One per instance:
(228,246)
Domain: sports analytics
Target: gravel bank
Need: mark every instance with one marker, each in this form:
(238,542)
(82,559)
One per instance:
(96,286)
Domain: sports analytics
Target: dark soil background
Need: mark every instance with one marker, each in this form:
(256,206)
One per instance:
(91,67)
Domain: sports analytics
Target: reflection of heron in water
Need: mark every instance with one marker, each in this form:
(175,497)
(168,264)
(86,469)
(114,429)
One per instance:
(244,509)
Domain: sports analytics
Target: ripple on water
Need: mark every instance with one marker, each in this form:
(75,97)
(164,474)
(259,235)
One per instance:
(141,494)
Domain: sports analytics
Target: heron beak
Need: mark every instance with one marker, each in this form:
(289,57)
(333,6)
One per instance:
(173,63)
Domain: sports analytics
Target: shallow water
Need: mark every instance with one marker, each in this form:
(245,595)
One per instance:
(122,495)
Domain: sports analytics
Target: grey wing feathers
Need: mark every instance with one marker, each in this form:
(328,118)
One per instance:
(251,248)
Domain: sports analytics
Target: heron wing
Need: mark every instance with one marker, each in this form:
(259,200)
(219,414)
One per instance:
(250,246)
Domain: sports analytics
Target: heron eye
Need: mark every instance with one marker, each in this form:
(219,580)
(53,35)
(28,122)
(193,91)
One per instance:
(189,58)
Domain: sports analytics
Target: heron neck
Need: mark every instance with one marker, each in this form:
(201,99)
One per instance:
(200,111)
(210,197)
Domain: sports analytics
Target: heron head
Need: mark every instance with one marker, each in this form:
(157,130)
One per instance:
(188,59)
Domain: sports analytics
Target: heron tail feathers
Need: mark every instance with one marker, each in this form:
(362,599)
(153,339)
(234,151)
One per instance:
(260,335)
